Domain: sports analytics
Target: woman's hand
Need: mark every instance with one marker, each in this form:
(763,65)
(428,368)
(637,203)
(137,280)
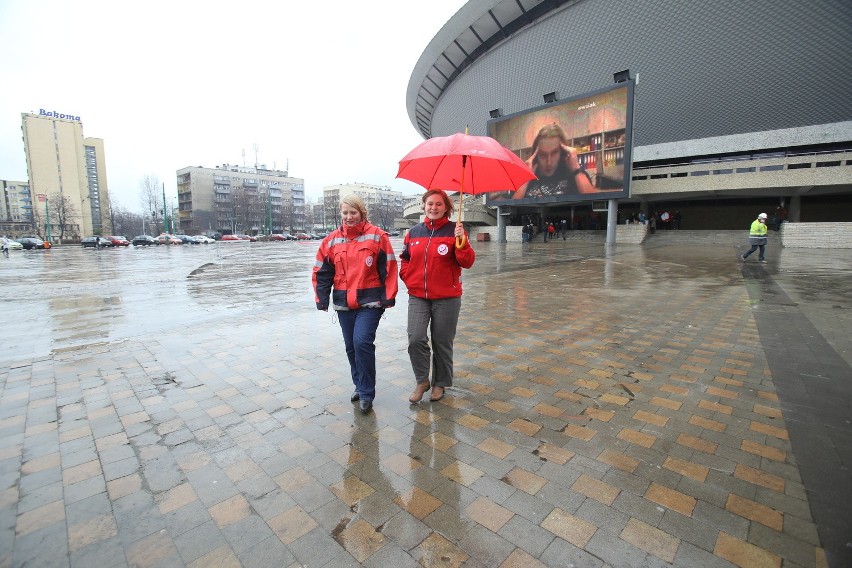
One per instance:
(531,160)
(570,157)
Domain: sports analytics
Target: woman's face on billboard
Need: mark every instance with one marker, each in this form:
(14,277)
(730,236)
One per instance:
(547,156)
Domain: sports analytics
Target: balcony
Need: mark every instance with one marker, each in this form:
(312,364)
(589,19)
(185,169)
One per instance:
(750,175)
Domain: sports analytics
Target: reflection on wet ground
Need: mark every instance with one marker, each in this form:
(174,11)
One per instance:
(69,296)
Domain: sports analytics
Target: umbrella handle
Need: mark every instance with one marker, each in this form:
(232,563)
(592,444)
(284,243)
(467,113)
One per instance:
(461,241)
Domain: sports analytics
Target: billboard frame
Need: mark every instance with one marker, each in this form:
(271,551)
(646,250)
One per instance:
(593,124)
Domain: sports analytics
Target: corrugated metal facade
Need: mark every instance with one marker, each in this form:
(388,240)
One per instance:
(707,68)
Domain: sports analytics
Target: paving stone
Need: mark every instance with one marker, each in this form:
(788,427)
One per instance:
(526,535)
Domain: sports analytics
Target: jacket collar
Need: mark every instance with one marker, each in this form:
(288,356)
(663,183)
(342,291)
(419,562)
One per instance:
(436,224)
(354,231)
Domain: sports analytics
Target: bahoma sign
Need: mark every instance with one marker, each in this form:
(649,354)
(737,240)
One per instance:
(54,114)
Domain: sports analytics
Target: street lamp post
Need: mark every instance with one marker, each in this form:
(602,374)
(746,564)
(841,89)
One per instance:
(165,212)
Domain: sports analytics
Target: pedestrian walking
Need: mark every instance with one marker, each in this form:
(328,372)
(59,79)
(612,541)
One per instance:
(357,267)
(430,265)
(757,238)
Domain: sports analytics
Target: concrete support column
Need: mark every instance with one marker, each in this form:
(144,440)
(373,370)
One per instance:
(501,225)
(611,221)
(794,209)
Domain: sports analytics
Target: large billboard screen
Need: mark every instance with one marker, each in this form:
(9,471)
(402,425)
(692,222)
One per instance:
(579,148)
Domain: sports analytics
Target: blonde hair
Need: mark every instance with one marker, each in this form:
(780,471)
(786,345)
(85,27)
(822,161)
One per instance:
(356,203)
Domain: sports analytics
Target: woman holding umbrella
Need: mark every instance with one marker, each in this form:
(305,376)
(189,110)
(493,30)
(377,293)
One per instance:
(434,252)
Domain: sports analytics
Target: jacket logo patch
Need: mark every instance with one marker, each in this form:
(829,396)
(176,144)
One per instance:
(369,261)
(443,249)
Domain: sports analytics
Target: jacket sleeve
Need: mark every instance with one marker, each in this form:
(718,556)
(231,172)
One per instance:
(404,258)
(465,255)
(388,272)
(323,276)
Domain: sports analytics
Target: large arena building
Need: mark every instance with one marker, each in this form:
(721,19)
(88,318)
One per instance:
(738,107)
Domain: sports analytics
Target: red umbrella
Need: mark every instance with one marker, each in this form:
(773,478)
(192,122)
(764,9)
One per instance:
(464,163)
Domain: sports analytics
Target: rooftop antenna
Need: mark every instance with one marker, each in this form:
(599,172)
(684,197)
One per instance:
(256,148)
(244,157)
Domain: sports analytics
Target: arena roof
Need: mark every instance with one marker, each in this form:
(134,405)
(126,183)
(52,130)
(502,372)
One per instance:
(476,28)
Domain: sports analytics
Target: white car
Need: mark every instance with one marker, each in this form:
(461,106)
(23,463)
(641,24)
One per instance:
(9,244)
(204,240)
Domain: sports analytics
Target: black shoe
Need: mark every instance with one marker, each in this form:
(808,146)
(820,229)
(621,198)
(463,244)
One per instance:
(365,405)
(355,397)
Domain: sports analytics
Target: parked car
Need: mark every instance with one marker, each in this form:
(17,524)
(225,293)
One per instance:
(187,240)
(302,237)
(247,238)
(9,244)
(95,242)
(215,235)
(204,239)
(277,237)
(143,240)
(118,240)
(166,239)
(230,238)
(31,242)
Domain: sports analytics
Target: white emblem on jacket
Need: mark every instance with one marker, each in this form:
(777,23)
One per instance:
(369,261)
(443,249)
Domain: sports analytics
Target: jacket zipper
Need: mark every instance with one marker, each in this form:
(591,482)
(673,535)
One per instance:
(425,263)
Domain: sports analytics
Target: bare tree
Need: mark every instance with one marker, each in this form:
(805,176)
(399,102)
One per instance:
(38,218)
(63,213)
(151,198)
(284,213)
(126,223)
(247,211)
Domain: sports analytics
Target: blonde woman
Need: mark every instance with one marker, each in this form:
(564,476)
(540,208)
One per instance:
(357,268)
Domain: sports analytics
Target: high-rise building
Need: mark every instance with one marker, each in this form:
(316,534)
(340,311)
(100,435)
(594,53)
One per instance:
(69,171)
(239,199)
(16,208)
(383,204)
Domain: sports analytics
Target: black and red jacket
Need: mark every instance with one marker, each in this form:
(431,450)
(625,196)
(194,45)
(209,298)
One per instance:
(358,262)
(431,264)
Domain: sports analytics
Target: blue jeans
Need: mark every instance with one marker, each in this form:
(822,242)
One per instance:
(754,248)
(359,335)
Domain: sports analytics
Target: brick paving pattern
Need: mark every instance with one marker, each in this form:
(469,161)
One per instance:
(607,412)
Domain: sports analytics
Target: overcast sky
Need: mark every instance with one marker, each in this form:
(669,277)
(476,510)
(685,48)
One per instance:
(170,84)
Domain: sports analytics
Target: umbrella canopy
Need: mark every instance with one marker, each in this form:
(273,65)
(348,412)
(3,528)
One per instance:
(464,163)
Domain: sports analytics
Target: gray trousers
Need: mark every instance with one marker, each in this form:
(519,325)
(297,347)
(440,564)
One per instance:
(439,318)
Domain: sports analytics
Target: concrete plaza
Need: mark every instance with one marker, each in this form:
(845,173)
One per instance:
(649,405)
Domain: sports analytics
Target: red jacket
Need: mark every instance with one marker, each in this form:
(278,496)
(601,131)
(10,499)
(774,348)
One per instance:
(431,263)
(359,263)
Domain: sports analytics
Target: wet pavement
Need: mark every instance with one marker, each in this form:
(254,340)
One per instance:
(648,406)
